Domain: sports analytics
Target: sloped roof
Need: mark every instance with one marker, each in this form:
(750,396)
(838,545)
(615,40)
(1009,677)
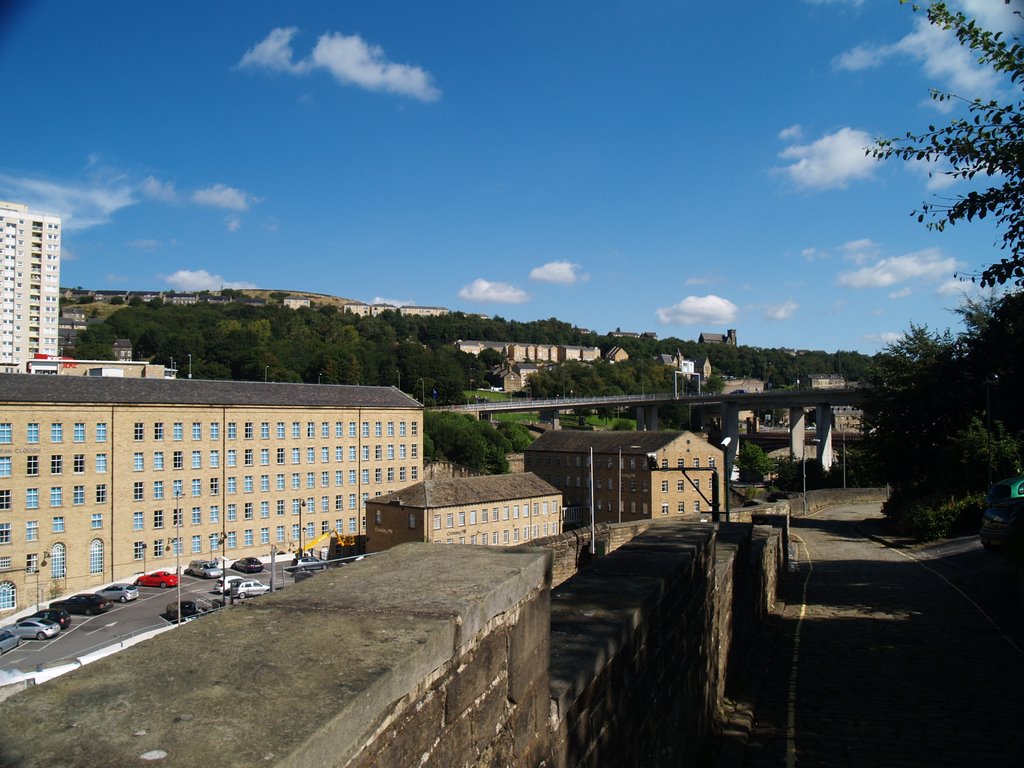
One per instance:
(26,388)
(579,441)
(459,491)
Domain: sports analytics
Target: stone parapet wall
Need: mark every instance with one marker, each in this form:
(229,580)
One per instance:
(571,550)
(432,655)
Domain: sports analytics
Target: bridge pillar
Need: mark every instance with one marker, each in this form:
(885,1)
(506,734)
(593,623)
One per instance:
(823,416)
(550,415)
(796,433)
(647,418)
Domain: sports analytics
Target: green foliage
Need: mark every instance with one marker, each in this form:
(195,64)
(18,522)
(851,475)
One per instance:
(986,144)
(518,436)
(934,519)
(467,441)
(752,461)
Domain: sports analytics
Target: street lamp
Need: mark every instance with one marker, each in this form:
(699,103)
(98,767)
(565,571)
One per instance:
(266,368)
(728,475)
(302,505)
(143,545)
(190,365)
(39,567)
(177,545)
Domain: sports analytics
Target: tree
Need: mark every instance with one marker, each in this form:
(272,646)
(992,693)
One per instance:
(990,145)
(752,461)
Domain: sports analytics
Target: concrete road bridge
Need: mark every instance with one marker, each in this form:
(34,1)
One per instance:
(726,407)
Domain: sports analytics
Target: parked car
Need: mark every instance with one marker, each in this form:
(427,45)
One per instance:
(62,617)
(248,588)
(223,586)
(1004,505)
(86,603)
(307,563)
(248,565)
(8,640)
(205,569)
(162,579)
(120,593)
(190,608)
(40,629)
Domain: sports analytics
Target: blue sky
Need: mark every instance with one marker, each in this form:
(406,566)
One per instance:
(650,166)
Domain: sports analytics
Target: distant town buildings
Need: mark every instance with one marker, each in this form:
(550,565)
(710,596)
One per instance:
(30,251)
(490,510)
(372,310)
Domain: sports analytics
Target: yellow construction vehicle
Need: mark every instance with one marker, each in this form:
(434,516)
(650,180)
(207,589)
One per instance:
(339,543)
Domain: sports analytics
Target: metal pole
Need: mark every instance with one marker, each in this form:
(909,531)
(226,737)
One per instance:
(273,566)
(620,483)
(177,543)
(593,527)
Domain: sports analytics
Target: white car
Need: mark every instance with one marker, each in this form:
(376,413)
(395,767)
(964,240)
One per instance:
(248,588)
(223,586)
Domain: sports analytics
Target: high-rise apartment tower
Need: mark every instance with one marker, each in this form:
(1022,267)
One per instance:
(29,284)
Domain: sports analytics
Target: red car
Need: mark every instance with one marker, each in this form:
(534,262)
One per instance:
(157,579)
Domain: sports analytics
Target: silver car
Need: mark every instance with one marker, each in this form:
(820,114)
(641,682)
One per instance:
(8,640)
(40,629)
(121,593)
(205,569)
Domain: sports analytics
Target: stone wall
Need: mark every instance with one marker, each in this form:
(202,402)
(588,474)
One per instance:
(431,656)
(571,550)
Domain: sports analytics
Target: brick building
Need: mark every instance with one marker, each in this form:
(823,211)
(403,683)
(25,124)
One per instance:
(102,478)
(486,510)
(626,488)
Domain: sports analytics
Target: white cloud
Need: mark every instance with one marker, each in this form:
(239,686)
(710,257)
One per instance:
(274,52)
(393,302)
(995,16)
(940,54)
(349,58)
(830,162)
(782,311)
(936,174)
(233,223)
(696,310)
(560,272)
(699,280)
(902,293)
(481,290)
(793,133)
(886,337)
(223,196)
(201,280)
(860,251)
(928,265)
(155,189)
(80,206)
(954,286)
(813,254)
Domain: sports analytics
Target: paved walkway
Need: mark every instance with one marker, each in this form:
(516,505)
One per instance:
(878,659)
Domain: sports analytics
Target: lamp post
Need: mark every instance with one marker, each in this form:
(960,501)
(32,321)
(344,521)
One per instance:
(273,566)
(177,545)
(39,567)
(266,368)
(399,380)
(728,475)
(143,557)
(302,505)
(190,365)
(620,483)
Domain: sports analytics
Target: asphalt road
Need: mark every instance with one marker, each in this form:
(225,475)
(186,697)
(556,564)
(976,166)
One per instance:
(888,654)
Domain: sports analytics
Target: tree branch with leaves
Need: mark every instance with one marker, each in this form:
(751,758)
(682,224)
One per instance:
(988,144)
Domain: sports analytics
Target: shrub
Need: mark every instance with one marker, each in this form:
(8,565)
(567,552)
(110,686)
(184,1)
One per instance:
(935,520)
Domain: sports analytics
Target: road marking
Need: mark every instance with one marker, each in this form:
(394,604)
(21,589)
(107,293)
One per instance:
(964,595)
(794,663)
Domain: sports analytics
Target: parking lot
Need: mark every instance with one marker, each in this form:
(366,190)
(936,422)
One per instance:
(124,621)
